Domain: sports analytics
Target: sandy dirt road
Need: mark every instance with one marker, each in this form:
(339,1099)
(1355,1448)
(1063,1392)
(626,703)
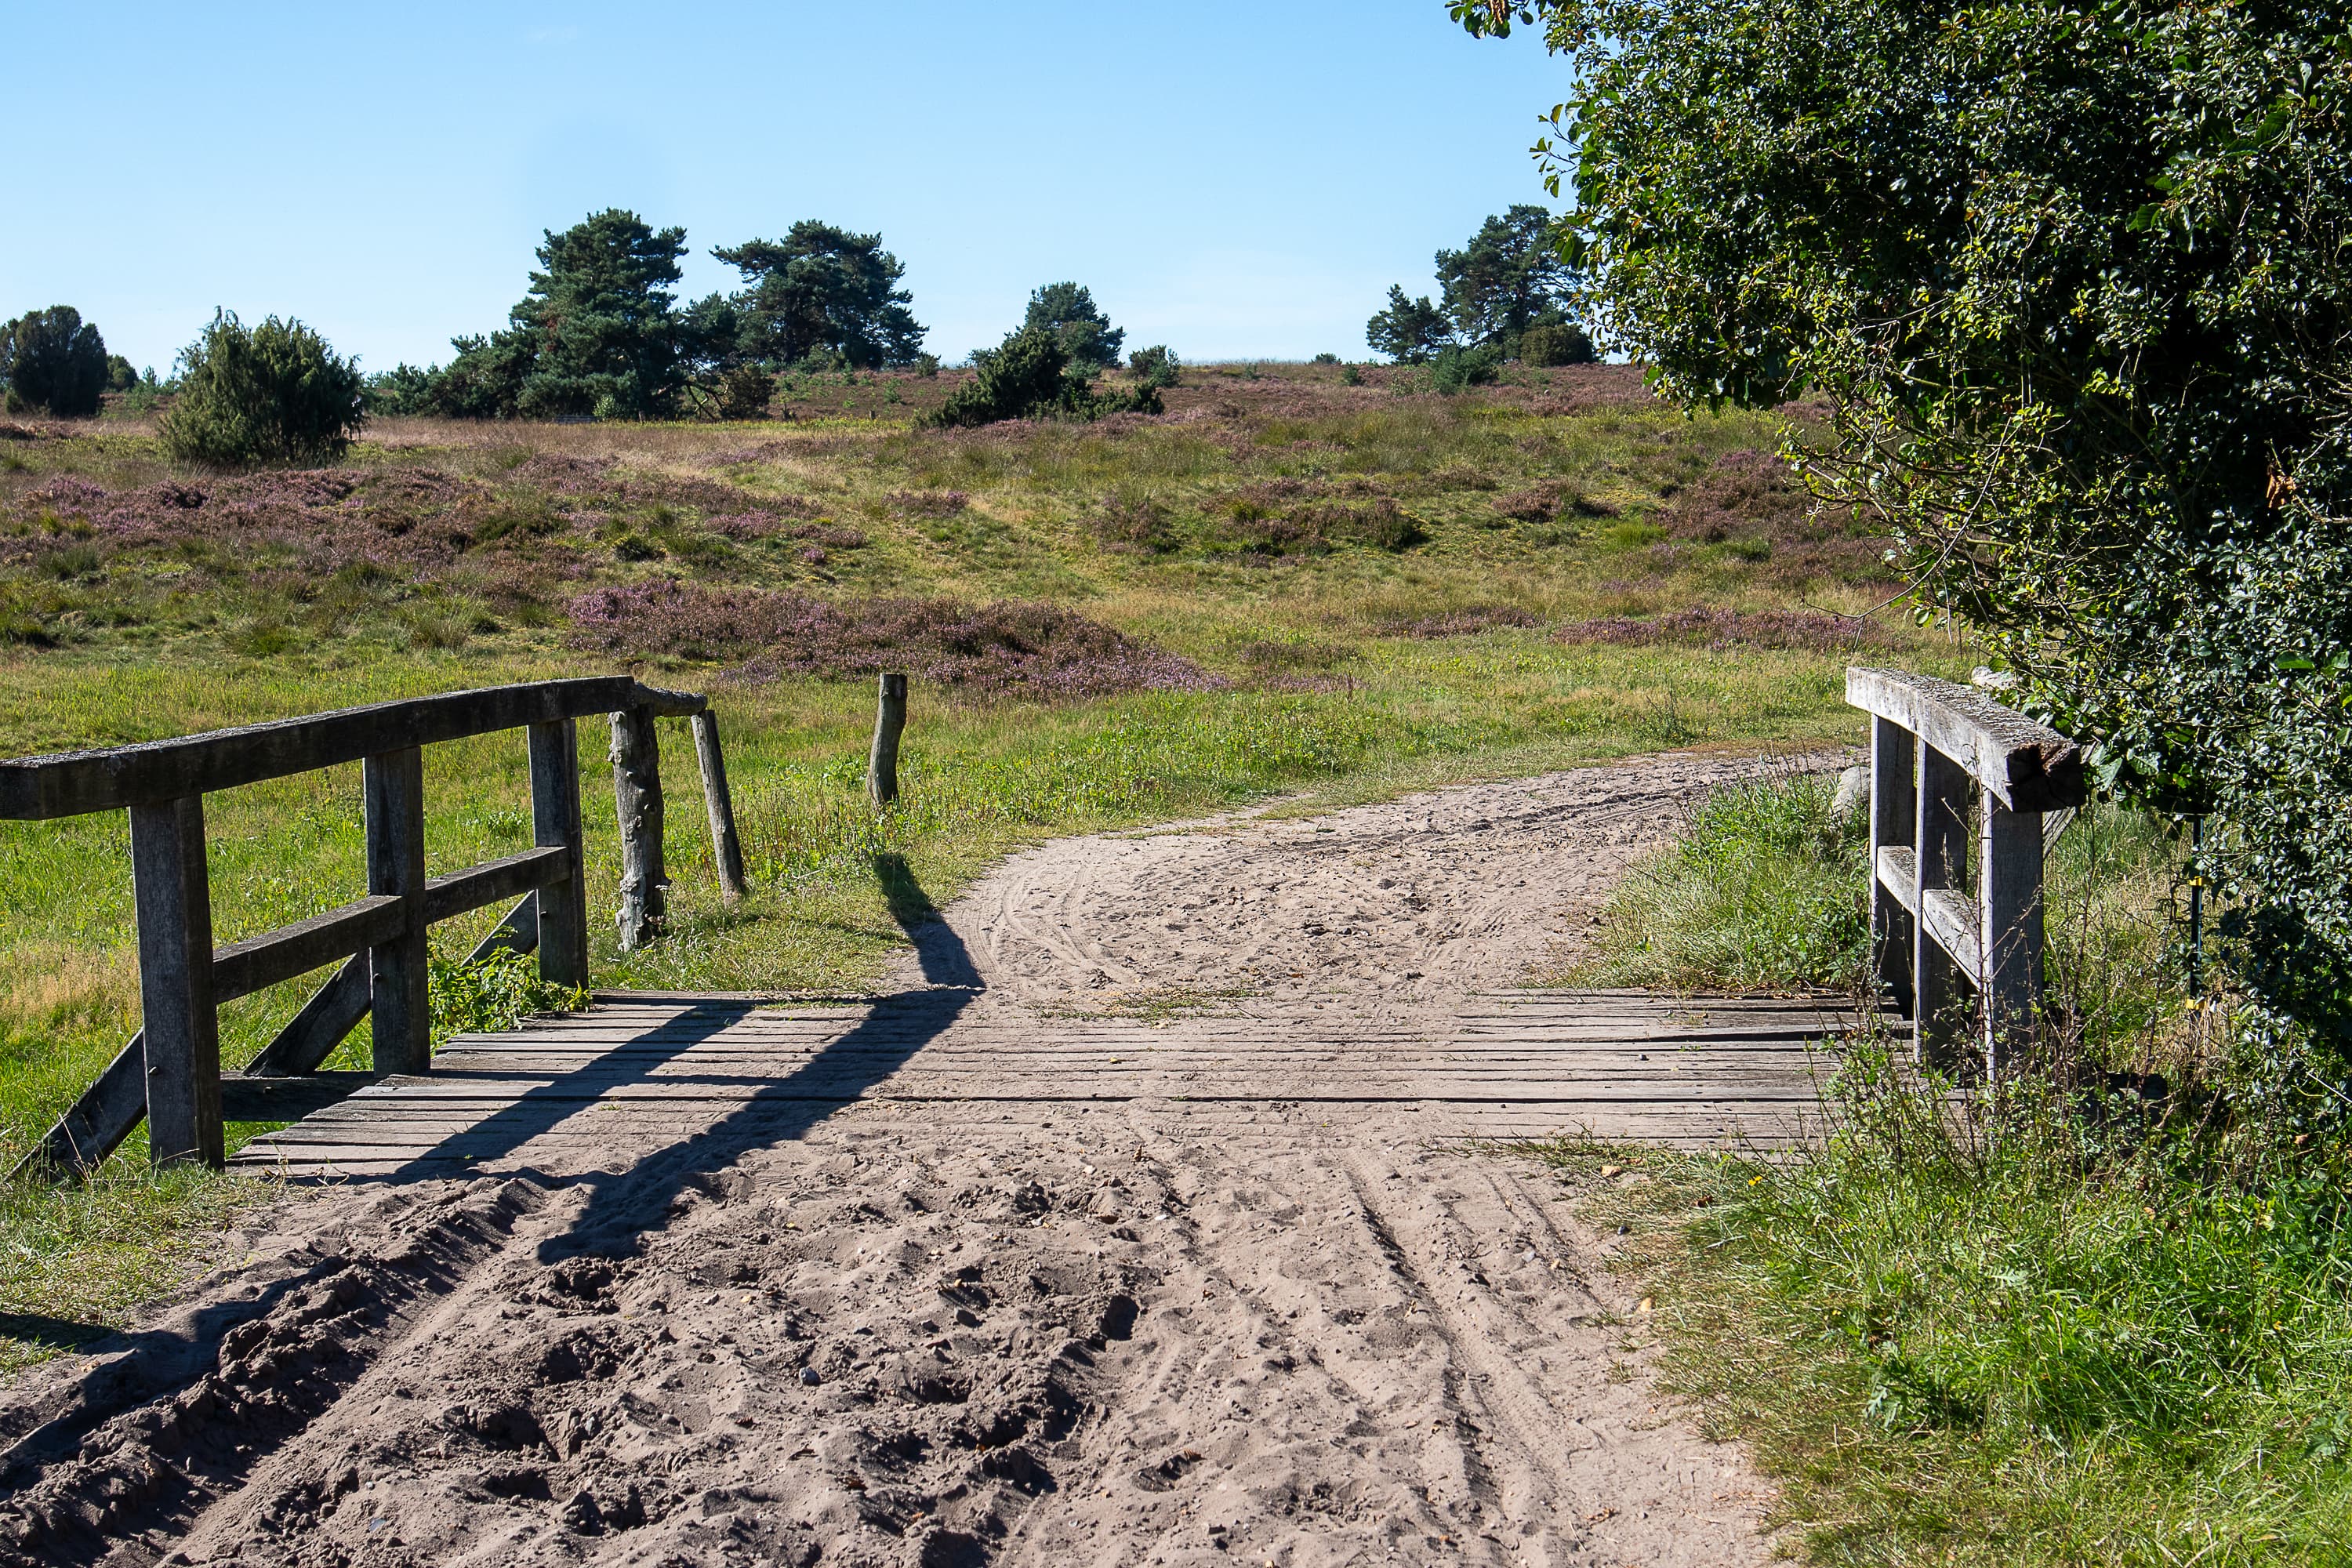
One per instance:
(963,1334)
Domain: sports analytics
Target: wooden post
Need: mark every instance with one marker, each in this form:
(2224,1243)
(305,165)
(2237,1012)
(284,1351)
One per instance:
(637,797)
(1894,821)
(726,849)
(2008,908)
(555,820)
(1939,993)
(179,1021)
(394,788)
(889,723)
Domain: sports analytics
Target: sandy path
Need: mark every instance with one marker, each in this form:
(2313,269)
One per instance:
(901,1336)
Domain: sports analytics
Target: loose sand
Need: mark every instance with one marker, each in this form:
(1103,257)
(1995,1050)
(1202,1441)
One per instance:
(905,1335)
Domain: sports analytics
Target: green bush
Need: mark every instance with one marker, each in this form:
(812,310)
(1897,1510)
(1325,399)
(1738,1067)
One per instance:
(1550,343)
(494,994)
(744,393)
(1457,368)
(272,394)
(1155,366)
(1031,376)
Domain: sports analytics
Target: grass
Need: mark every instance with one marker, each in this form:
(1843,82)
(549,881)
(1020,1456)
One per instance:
(2066,1326)
(1379,588)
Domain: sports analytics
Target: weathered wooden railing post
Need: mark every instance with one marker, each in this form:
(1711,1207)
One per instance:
(726,848)
(179,1022)
(394,784)
(1894,824)
(1958,741)
(637,798)
(555,822)
(1938,994)
(2009,860)
(889,723)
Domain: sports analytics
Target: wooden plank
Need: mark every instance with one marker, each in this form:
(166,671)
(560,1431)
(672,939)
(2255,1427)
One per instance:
(1951,919)
(665,703)
(494,881)
(97,1123)
(563,907)
(246,1099)
(519,933)
(1893,818)
(1898,875)
(35,788)
(718,805)
(311,1035)
(2009,930)
(394,789)
(2026,766)
(637,804)
(1941,841)
(178,1022)
(261,962)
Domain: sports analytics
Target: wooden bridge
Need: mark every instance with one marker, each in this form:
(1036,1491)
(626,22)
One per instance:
(639,1071)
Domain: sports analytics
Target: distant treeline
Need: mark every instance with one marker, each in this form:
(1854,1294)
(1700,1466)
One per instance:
(600,331)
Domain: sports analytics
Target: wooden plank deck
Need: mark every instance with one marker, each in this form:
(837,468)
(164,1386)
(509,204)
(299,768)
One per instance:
(638,1072)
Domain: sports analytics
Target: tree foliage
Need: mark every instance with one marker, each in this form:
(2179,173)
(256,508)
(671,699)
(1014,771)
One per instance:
(1409,332)
(822,288)
(271,393)
(53,361)
(1068,312)
(1509,278)
(601,331)
(2074,280)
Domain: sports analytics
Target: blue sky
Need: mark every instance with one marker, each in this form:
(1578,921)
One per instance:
(1234,180)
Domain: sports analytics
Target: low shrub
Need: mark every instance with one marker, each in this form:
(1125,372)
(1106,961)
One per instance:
(275,393)
(1706,627)
(492,993)
(1033,650)
(1552,343)
(1457,369)
(744,393)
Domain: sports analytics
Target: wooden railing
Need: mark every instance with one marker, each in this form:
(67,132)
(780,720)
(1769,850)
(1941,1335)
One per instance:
(170,1072)
(1945,760)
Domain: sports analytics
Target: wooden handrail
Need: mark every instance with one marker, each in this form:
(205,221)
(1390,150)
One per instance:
(2027,766)
(1932,942)
(35,789)
(170,1072)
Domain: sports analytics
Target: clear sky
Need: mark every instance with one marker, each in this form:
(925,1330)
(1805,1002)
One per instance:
(1235,180)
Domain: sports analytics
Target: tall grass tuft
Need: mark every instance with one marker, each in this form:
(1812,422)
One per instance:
(1761,891)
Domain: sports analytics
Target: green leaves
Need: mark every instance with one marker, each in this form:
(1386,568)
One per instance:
(2112,433)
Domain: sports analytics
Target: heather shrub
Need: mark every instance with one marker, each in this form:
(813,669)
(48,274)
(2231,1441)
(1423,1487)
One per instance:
(275,393)
(1006,647)
(1704,626)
